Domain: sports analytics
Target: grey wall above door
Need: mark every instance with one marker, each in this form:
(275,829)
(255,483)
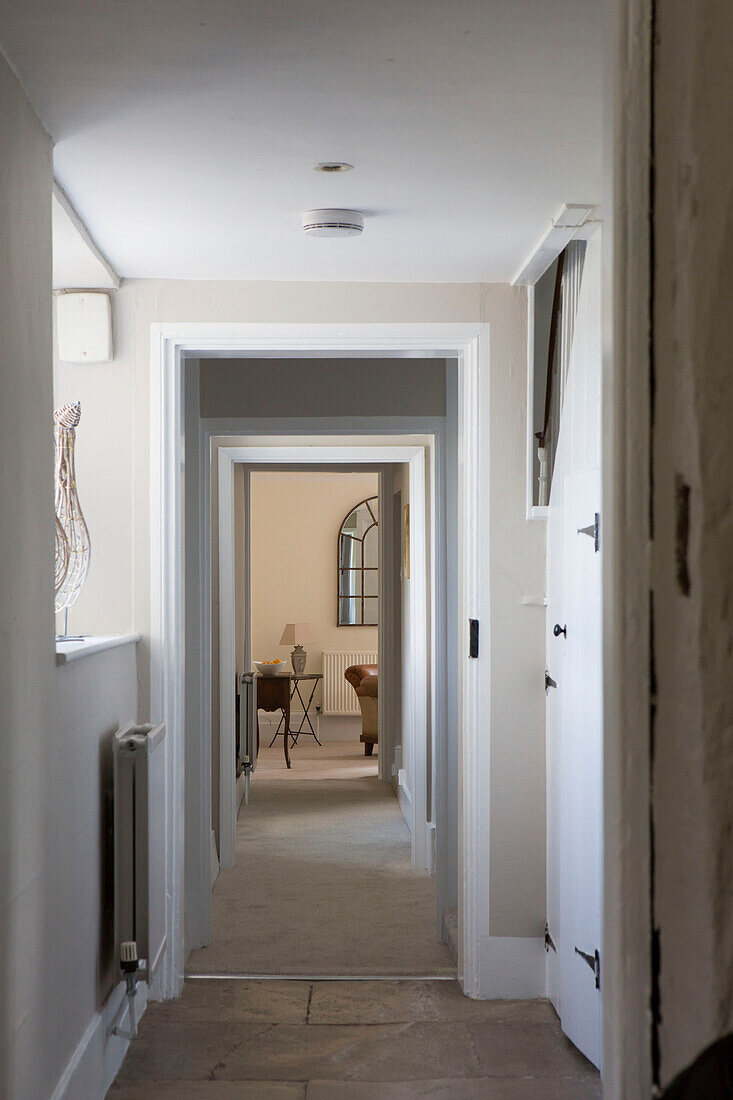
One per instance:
(321,387)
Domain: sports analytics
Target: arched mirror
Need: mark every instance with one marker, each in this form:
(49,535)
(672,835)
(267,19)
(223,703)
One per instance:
(358,566)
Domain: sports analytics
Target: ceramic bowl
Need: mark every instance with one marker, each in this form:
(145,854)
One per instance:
(271,670)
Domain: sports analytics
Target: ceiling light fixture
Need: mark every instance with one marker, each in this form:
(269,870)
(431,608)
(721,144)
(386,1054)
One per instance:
(332,166)
(333,223)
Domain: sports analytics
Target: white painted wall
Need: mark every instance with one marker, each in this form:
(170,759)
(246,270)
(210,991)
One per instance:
(446,768)
(402,762)
(56,722)
(517,793)
(105,435)
(31,1053)
(93,697)
(295,519)
(517,768)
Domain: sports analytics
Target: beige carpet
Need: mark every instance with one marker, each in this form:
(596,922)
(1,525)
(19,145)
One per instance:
(322,884)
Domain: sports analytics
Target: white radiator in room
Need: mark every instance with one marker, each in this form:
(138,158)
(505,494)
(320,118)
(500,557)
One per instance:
(139,842)
(339,696)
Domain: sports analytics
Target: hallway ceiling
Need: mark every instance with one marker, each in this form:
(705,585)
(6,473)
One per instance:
(186,130)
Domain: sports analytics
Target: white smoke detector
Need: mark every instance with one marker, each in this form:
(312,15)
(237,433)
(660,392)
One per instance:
(333,223)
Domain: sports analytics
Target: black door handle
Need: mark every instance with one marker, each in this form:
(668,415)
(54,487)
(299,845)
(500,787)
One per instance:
(557,630)
(549,682)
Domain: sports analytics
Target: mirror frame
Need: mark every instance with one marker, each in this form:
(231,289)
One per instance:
(360,569)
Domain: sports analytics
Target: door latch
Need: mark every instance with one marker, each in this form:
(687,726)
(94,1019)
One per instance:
(549,682)
(473,637)
(594,962)
(593,531)
(548,939)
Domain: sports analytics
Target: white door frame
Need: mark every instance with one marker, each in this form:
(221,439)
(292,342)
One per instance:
(468,343)
(385,640)
(321,451)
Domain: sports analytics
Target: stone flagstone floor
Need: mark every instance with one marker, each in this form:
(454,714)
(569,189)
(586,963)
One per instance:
(352,1040)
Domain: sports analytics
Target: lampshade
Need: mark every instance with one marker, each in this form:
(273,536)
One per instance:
(296,634)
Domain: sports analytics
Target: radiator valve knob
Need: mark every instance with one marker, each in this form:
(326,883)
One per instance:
(128,957)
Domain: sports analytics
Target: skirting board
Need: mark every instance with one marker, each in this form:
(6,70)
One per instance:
(511,968)
(404,798)
(98,1056)
(242,790)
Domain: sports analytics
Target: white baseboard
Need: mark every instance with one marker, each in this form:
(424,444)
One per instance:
(98,1056)
(242,791)
(404,798)
(511,968)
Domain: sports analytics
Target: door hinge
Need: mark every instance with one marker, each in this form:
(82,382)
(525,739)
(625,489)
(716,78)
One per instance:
(593,531)
(594,962)
(548,939)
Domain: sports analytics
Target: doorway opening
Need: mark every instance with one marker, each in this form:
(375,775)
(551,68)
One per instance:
(181,690)
(323,876)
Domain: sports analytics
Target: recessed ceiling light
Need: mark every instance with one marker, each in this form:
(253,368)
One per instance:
(333,223)
(332,166)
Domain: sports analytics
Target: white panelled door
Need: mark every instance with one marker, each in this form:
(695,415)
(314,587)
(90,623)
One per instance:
(581,783)
(574,707)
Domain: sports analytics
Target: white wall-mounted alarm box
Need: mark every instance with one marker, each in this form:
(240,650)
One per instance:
(84,327)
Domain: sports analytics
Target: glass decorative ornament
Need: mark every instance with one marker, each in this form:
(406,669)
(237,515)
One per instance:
(61,557)
(73,545)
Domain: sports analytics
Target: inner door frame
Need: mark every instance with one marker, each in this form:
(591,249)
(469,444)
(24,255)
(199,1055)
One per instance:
(320,451)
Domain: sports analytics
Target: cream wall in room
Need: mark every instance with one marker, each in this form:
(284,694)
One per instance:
(118,598)
(295,520)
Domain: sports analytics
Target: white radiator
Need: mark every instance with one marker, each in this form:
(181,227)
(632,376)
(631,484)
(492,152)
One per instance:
(339,696)
(139,785)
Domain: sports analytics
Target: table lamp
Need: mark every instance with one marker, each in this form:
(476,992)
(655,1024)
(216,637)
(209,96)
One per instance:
(295,634)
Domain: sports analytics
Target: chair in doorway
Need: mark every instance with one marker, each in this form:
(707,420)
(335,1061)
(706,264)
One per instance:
(365,681)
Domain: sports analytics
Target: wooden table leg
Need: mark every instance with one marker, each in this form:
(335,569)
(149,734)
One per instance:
(286,732)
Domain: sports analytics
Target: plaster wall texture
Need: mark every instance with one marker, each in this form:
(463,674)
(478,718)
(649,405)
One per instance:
(28,1007)
(517,779)
(692,574)
(56,722)
(295,523)
(517,883)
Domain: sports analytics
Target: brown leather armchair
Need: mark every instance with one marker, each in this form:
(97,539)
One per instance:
(365,681)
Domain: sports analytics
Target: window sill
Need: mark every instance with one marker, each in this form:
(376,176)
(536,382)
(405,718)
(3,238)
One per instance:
(93,643)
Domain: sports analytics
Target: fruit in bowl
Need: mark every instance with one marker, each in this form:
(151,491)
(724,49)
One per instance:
(270,668)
